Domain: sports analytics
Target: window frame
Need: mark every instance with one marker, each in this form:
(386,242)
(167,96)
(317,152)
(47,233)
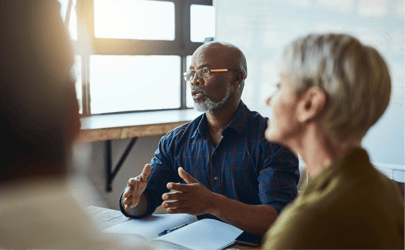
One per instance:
(181,46)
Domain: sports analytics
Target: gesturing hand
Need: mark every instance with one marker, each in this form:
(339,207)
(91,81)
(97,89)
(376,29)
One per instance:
(192,198)
(135,188)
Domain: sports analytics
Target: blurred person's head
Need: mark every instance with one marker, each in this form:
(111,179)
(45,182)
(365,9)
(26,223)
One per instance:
(213,89)
(39,116)
(332,80)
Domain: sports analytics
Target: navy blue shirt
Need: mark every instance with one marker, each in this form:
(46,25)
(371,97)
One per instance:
(244,166)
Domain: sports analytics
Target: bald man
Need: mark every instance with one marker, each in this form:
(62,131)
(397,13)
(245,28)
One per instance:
(220,164)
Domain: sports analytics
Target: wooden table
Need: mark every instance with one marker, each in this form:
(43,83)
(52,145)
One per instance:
(105,217)
(110,127)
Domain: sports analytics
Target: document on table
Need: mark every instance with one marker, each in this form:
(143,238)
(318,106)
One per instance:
(206,233)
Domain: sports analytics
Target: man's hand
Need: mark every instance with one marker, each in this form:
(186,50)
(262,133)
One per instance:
(135,188)
(192,198)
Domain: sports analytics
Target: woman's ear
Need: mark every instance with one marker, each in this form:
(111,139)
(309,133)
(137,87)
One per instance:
(312,104)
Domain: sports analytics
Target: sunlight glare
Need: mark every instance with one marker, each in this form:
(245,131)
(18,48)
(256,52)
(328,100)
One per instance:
(134,19)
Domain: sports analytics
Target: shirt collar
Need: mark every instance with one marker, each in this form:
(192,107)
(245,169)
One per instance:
(237,123)
(240,118)
(202,127)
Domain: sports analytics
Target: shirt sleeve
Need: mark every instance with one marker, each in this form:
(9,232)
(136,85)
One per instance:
(162,172)
(278,177)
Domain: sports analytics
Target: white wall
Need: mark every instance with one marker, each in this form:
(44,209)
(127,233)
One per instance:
(261,29)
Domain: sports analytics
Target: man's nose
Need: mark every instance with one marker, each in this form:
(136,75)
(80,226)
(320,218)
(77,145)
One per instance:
(196,80)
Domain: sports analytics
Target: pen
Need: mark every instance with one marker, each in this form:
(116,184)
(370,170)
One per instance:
(172,229)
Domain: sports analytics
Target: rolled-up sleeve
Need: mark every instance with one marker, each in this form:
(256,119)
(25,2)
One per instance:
(279,176)
(162,172)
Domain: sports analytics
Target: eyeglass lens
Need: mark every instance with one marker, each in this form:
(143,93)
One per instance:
(203,73)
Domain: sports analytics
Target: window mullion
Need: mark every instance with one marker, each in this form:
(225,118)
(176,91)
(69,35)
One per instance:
(86,84)
(85,30)
(183,89)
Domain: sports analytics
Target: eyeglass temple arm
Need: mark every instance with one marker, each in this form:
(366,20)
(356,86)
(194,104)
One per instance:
(219,70)
(223,70)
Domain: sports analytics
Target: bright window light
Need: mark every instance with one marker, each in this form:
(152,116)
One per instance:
(134,19)
(72,19)
(131,83)
(77,74)
(189,99)
(202,23)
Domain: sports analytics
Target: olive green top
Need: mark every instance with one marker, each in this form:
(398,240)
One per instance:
(350,204)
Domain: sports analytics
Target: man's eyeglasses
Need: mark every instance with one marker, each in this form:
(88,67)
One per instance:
(203,73)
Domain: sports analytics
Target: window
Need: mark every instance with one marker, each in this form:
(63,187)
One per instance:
(134,83)
(190,101)
(202,22)
(130,54)
(131,19)
(68,13)
(77,69)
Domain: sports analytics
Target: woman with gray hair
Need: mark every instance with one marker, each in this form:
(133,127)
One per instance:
(332,90)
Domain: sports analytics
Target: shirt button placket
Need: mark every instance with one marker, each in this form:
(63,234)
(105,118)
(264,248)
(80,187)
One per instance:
(216,168)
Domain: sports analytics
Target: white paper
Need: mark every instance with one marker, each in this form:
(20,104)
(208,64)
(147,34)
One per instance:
(150,226)
(203,234)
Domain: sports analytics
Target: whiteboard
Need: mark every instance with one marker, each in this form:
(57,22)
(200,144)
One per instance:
(261,29)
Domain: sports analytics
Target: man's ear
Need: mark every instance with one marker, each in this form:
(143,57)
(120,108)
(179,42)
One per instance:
(312,104)
(237,77)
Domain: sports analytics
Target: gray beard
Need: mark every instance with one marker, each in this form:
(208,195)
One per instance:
(208,104)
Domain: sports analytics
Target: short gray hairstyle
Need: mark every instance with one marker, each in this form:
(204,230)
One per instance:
(354,77)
